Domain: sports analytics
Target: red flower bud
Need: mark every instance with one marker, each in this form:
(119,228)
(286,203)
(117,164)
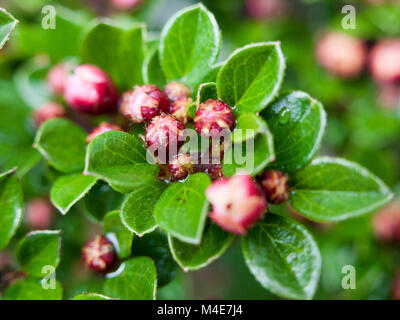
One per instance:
(386,223)
(179,109)
(212,117)
(103,127)
(57,78)
(176,91)
(237,203)
(99,254)
(384,61)
(48,111)
(125,4)
(181,166)
(39,214)
(275,186)
(90,90)
(389,96)
(341,54)
(164,134)
(144,103)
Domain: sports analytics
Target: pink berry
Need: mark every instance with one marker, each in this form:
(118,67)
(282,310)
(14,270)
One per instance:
(386,223)
(125,4)
(103,127)
(181,166)
(164,135)
(179,109)
(237,203)
(99,254)
(39,214)
(212,117)
(90,90)
(144,103)
(341,54)
(275,185)
(48,111)
(176,91)
(384,61)
(266,9)
(57,78)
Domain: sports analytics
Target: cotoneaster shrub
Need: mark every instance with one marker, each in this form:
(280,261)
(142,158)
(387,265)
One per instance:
(160,87)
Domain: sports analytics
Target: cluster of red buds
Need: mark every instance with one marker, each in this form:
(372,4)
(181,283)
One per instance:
(346,56)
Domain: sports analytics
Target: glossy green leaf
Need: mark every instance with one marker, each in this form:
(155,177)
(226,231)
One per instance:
(251,77)
(182,208)
(334,189)
(63,144)
(152,71)
(100,200)
(107,45)
(137,209)
(297,122)
(118,234)
(193,257)
(251,155)
(68,190)
(24,159)
(32,289)
(248,126)
(11,204)
(39,249)
(7,25)
(190,44)
(283,257)
(91,296)
(135,279)
(206,91)
(120,159)
(155,246)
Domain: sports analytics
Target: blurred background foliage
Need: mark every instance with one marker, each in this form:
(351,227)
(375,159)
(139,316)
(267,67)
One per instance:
(363,125)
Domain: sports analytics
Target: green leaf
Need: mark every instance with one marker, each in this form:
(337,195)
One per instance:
(251,77)
(24,159)
(190,44)
(91,296)
(120,159)
(32,289)
(152,71)
(100,200)
(63,144)
(182,208)
(135,279)
(206,91)
(68,190)
(39,249)
(334,189)
(107,45)
(193,257)
(297,122)
(155,246)
(118,234)
(248,126)
(11,204)
(283,257)
(252,155)
(137,209)
(7,25)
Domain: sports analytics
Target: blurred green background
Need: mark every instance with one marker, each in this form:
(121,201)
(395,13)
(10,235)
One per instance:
(363,125)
